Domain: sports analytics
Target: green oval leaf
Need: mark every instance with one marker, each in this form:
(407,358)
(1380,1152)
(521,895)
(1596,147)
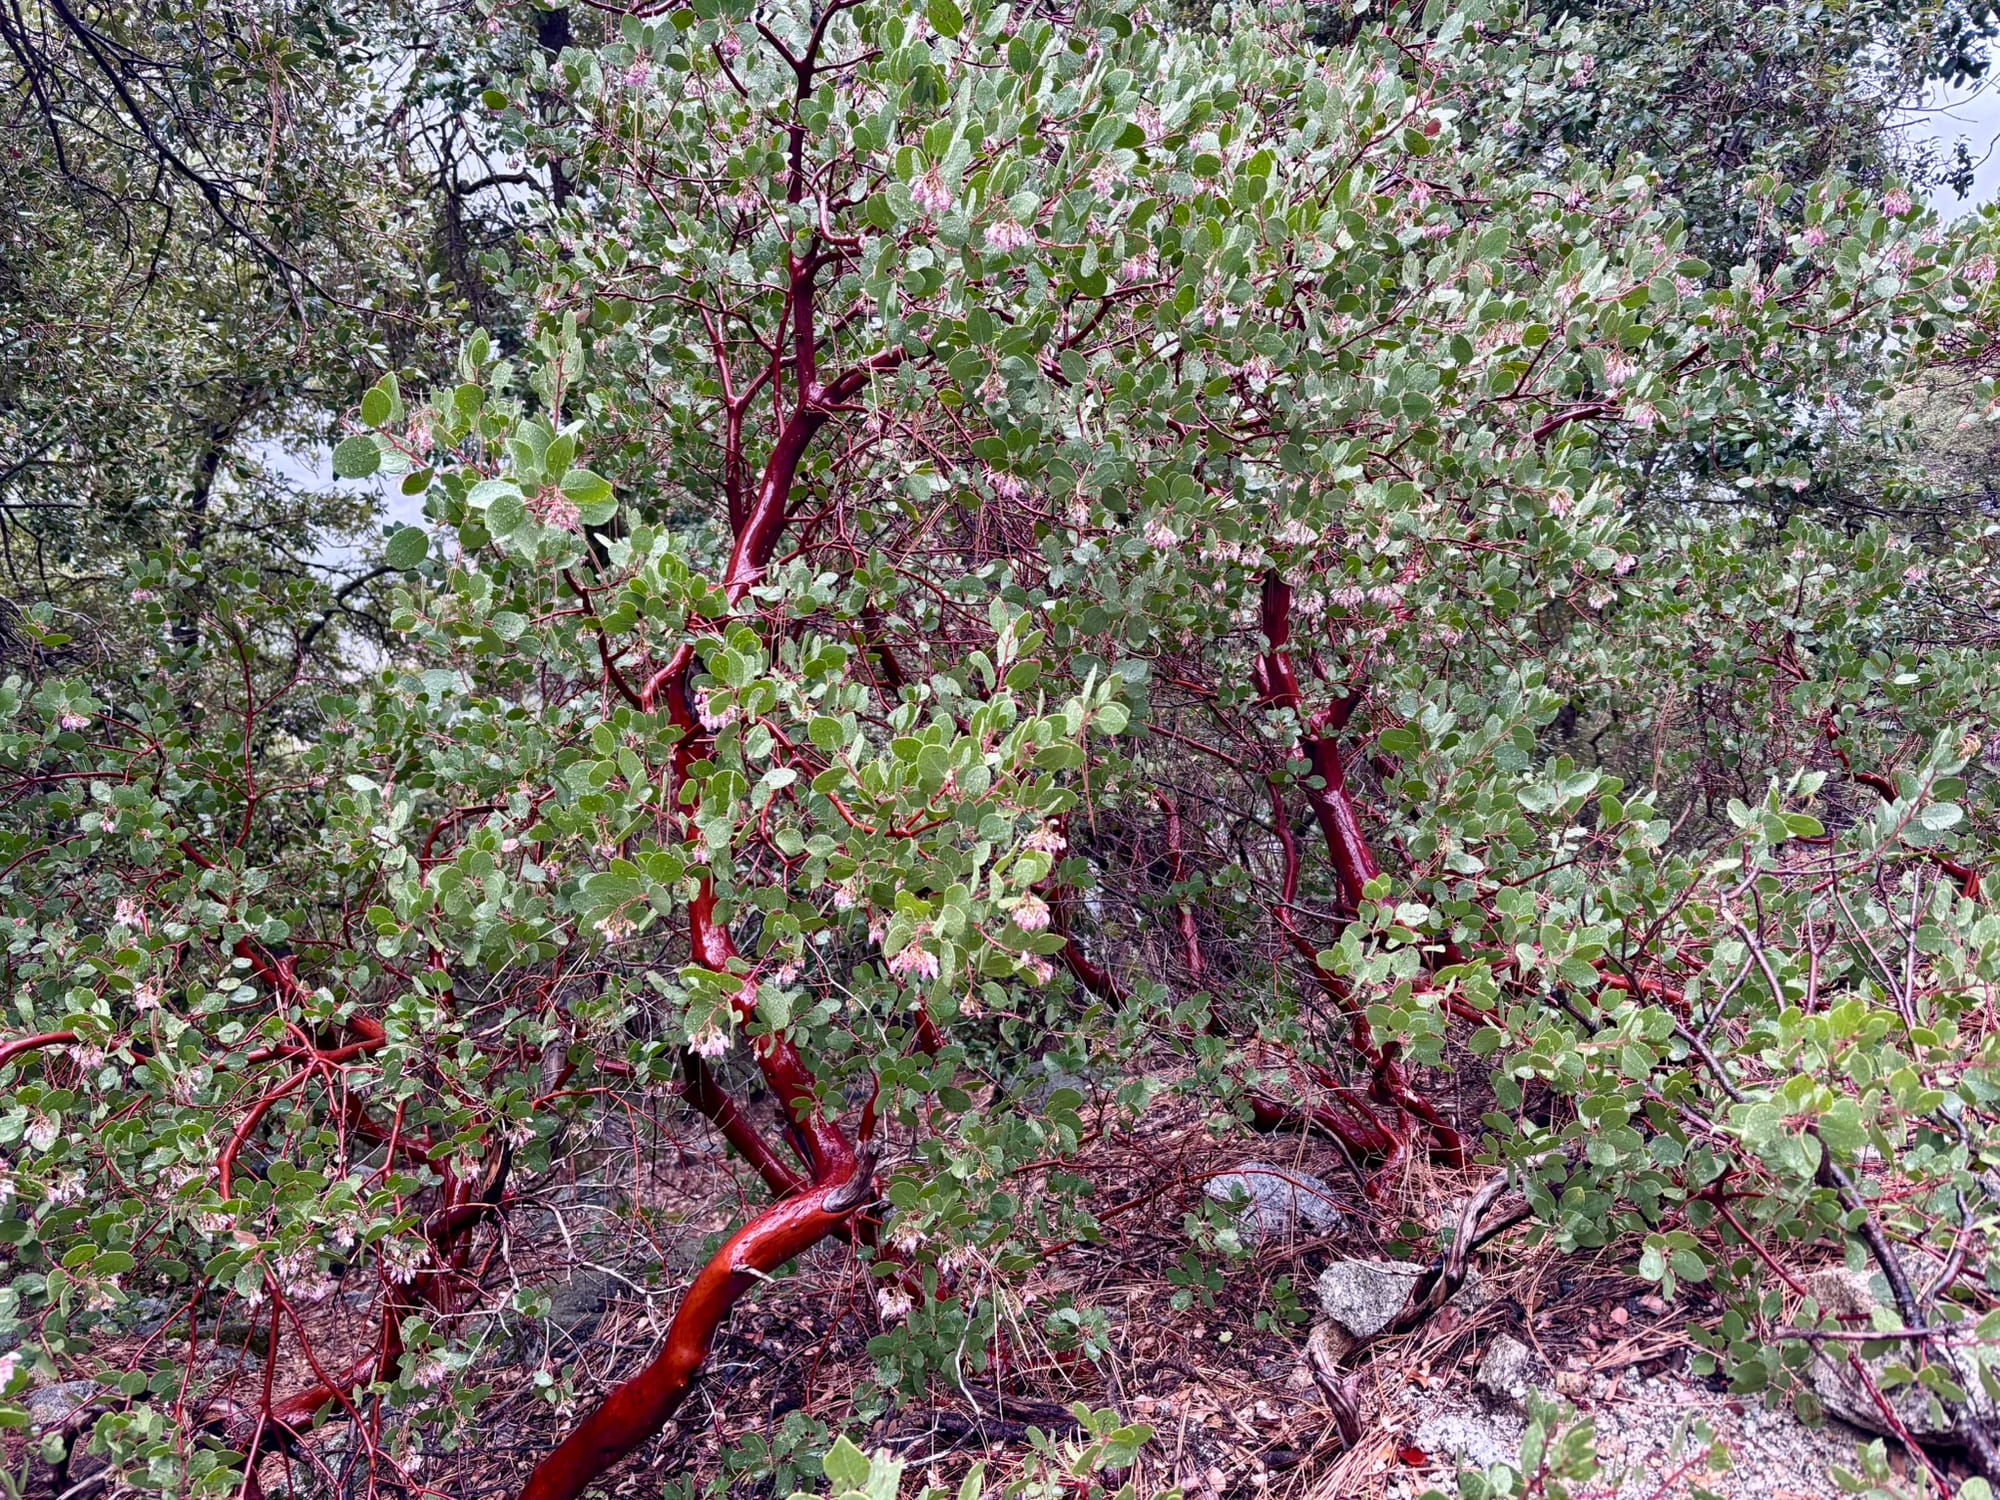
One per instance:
(408,548)
(356,457)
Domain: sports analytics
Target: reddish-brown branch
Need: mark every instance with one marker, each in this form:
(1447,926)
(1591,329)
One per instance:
(1360,1034)
(612,676)
(764,520)
(784,1067)
(785,1071)
(1548,429)
(1350,1122)
(875,643)
(225,1166)
(296,1411)
(431,838)
(641,1406)
(1391,1085)
(1651,987)
(757,538)
(1353,861)
(1091,975)
(842,1178)
(373,1039)
(701,1090)
(443,1233)
(21,1046)
(1966,876)
(1332,804)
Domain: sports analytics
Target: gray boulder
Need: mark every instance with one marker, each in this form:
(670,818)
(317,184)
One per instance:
(53,1406)
(1853,1294)
(1278,1202)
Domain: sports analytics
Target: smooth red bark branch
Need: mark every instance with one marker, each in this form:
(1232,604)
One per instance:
(757,538)
(1332,804)
(764,519)
(642,1405)
(701,1090)
(1352,1123)
(225,1165)
(842,1178)
(1092,976)
(1360,1034)
(784,1067)
(431,838)
(873,636)
(1392,1085)
(297,1411)
(1630,986)
(21,1046)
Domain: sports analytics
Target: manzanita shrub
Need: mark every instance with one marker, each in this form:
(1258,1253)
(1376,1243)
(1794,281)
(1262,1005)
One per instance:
(1032,536)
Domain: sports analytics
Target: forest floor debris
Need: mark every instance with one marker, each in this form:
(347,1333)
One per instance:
(1216,1366)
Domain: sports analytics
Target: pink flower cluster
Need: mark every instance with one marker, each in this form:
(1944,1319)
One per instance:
(1006,235)
(914,962)
(931,193)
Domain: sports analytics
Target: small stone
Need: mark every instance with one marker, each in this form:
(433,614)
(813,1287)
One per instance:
(1510,1369)
(1362,1296)
(1278,1201)
(1842,1293)
(1044,1082)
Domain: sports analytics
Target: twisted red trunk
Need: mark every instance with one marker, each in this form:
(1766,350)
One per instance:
(1353,861)
(642,1405)
(785,1071)
(842,1179)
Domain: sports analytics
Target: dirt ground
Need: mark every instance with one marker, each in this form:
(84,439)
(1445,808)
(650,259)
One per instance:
(1223,1381)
